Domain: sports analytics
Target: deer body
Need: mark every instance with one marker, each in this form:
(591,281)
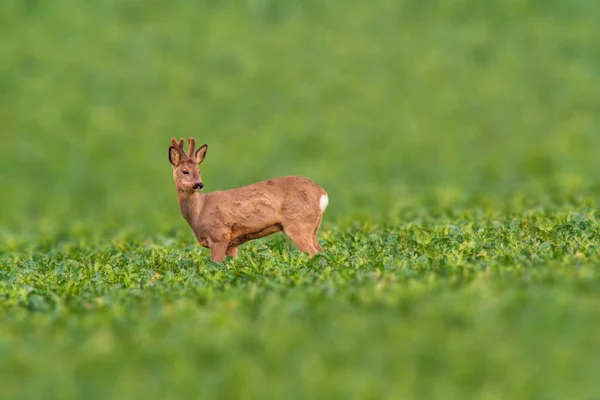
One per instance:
(223,220)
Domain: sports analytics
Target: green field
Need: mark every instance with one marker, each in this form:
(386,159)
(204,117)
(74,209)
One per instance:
(459,142)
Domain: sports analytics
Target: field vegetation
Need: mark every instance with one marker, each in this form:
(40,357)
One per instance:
(459,142)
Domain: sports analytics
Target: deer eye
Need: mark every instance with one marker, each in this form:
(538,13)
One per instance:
(185,172)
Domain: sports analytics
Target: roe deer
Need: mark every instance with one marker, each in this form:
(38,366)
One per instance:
(223,220)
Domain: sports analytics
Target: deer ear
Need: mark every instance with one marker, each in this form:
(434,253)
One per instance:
(201,153)
(174,156)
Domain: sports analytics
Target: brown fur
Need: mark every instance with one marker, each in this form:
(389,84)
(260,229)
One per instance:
(223,220)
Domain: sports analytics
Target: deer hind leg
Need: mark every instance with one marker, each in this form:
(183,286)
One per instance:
(315,237)
(302,236)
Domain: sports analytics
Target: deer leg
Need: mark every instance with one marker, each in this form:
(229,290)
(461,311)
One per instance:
(301,235)
(316,245)
(232,251)
(217,251)
(315,238)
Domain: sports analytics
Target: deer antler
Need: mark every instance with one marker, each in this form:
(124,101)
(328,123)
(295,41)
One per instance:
(179,146)
(191,147)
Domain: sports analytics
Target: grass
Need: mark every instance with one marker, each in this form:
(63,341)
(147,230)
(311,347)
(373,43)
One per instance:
(458,143)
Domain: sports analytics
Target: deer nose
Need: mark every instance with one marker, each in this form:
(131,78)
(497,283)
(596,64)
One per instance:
(198,186)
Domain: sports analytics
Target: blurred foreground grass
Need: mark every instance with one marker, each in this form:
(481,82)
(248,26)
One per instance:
(458,141)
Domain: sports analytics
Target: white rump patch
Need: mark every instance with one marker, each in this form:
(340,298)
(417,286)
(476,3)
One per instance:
(323,202)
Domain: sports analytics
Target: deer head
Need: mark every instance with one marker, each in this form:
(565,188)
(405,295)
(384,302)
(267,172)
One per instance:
(186,173)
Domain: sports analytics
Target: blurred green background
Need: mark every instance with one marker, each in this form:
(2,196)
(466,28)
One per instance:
(382,103)
(458,141)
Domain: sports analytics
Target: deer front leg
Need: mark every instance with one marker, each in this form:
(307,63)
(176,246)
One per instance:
(232,251)
(217,251)
(218,242)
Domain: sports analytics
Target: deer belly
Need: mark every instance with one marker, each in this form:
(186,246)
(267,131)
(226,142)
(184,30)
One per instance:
(241,235)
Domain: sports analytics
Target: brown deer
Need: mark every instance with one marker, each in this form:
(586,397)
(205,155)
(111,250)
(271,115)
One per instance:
(223,220)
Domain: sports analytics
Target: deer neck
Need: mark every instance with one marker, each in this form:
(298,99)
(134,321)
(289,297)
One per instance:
(191,206)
